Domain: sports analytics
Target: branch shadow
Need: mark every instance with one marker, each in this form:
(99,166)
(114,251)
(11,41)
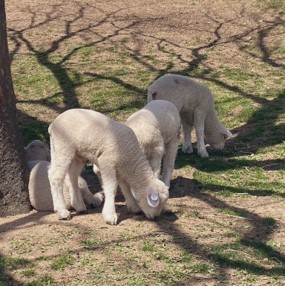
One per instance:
(253,239)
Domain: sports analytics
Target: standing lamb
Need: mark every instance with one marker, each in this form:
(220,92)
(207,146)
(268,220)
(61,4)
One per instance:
(39,186)
(78,135)
(157,128)
(195,104)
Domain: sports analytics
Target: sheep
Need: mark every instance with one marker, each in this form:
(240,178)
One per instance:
(37,150)
(157,128)
(40,191)
(77,135)
(195,104)
(39,186)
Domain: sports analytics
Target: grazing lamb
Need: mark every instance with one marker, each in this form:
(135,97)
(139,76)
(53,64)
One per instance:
(157,127)
(195,104)
(39,186)
(78,135)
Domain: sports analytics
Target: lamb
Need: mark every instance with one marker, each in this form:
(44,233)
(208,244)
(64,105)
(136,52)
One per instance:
(39,186)
(37,150)
(157,128)
(40,192)
(195,104)
(114,148)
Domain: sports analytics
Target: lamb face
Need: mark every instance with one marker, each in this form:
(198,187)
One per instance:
(37,150)
(217,140)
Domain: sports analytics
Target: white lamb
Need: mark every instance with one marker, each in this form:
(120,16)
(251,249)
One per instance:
(78,135)
(37,150)
(157,127)
(195,104)
(39,186)
(40,190)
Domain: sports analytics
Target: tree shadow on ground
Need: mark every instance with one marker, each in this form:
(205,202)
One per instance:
(261,129)
(253,238)
(262,124)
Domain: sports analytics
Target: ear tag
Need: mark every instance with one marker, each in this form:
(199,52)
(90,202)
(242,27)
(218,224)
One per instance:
(227,135)
(153,199)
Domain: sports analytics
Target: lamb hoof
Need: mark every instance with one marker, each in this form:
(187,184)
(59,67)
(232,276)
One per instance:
(98,199)
(110,218)
(79,207)
(187,149)
(133,209)
(64,214)
(82,209)
(203,154)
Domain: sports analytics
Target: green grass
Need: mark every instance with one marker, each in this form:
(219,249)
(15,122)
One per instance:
(62,262)
(42,281)
(12,263)
(91,243)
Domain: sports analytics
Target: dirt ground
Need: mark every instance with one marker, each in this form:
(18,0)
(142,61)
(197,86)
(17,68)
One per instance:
(184,28)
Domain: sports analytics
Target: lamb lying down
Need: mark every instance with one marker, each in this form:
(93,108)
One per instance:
(40,191)
(77,135)
(157,127)
(39,186)
(37,150)
(195,104)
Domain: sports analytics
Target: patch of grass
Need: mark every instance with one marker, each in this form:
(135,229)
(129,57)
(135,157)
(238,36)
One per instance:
(29,272)
(194,214)
(186,257)
(264,250)
(202,268)
(21,246)
(232,212)
(34,131)
(148,246)
(45,280)
(91,243)
(277,5)
(12,263)
(62,262)
(269,221)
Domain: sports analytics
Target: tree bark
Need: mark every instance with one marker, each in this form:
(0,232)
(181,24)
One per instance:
(13,172)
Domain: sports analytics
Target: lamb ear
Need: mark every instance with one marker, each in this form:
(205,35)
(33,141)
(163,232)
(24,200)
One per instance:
(227,134)
(154,95)
(153,198)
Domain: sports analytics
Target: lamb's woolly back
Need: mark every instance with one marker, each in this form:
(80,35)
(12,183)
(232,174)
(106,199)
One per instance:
(161,115)
(177,88)
(157,127)
(39,187)
(117,141)
(195,104)
(37,150)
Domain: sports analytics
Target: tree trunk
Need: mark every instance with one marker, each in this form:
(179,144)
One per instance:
(13,173)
